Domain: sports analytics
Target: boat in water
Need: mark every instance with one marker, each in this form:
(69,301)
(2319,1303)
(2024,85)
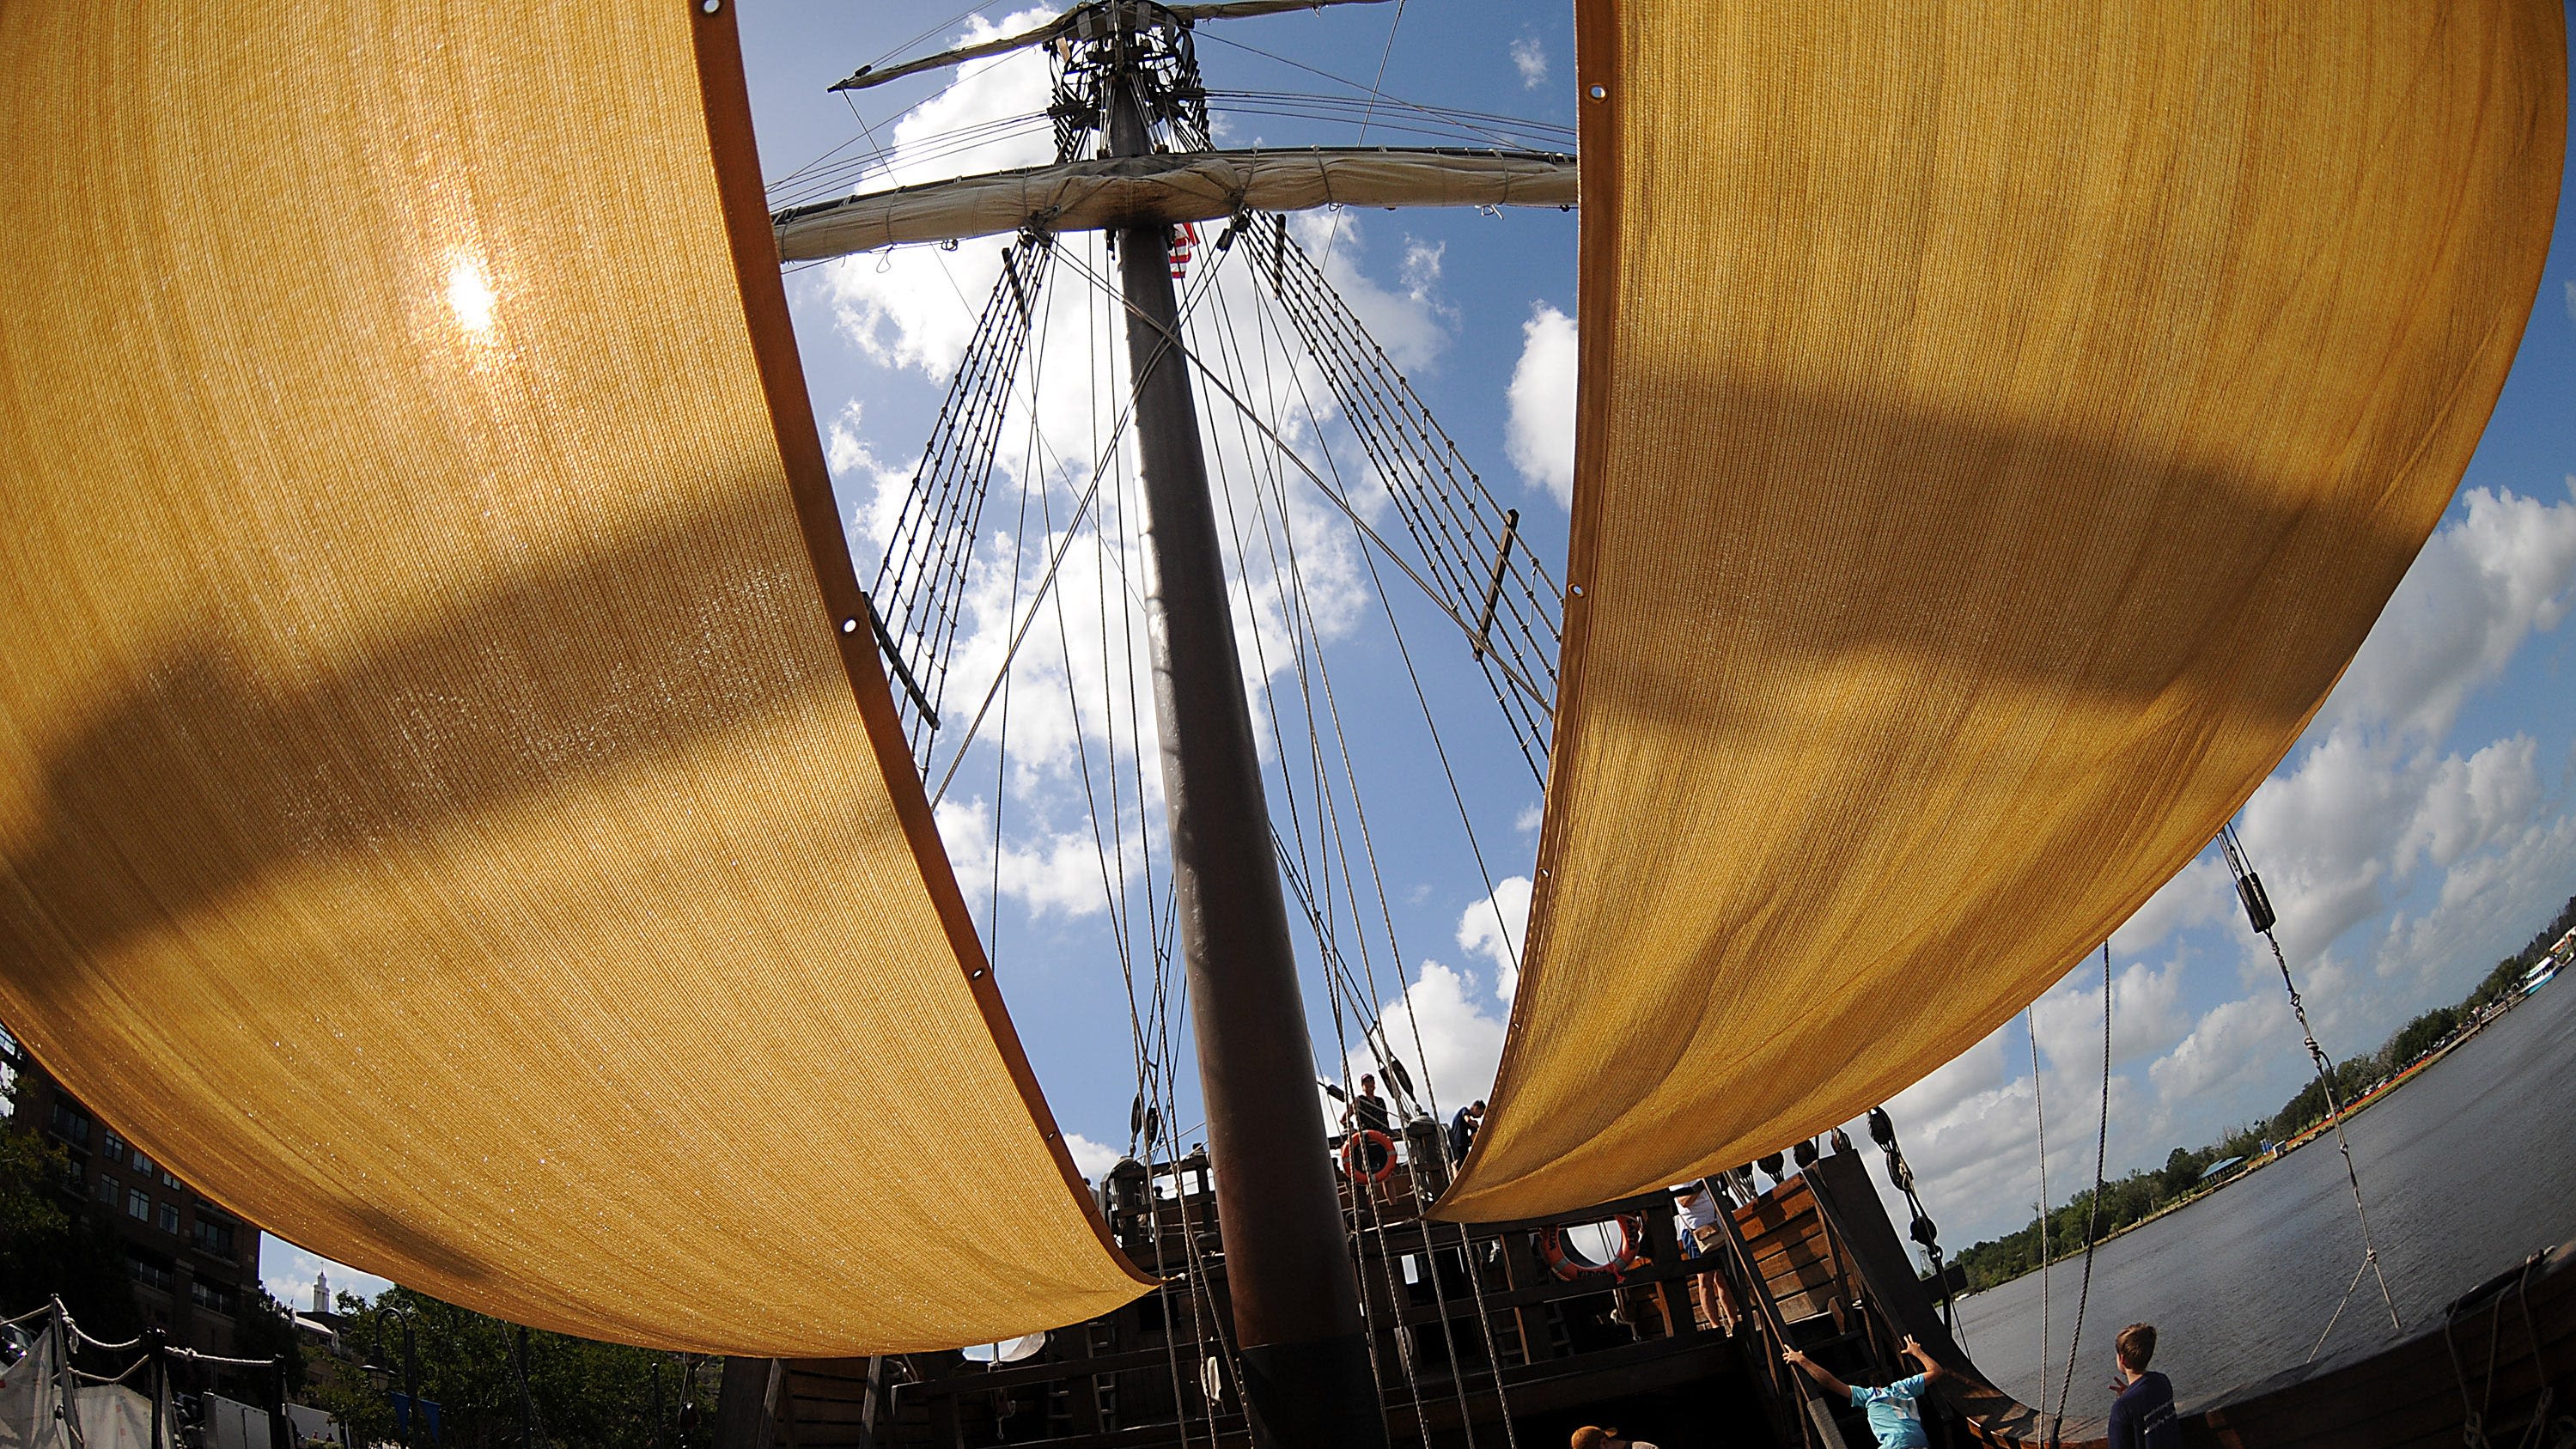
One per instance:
(463,809)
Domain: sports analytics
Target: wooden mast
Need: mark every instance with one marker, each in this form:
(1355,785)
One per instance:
(1308,1383)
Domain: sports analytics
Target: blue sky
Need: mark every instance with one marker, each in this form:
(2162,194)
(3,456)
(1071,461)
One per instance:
(2421,829)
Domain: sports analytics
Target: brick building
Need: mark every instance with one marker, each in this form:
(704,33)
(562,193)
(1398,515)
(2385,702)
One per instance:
(193,1264)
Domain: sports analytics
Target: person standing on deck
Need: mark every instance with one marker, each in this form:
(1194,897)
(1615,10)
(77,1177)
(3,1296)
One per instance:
(1895,1412)
(2142,1417)
(1367,1111)
(1462,1129)
(1695,1210)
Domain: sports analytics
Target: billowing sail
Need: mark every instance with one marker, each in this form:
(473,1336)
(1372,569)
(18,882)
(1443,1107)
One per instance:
(1999,426)
(436,815)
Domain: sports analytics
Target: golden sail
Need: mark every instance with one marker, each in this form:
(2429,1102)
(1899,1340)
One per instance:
(445,810)
(1999,425)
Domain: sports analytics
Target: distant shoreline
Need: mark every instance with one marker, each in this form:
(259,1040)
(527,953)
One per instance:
(2279,1150)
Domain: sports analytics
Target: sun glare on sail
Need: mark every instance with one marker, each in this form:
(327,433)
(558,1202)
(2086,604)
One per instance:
(470,296)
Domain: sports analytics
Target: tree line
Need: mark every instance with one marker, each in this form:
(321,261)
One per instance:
(2148,1191)
(577,1391)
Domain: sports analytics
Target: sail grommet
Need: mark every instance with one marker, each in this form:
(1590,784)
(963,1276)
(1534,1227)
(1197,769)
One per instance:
(1599,93)
(711,6)
(849,626)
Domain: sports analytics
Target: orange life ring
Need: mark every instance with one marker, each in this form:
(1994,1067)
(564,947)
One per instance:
(1631,1256)
(1356,1168)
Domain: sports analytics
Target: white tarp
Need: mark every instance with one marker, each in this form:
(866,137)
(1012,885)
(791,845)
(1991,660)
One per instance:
(107,1416)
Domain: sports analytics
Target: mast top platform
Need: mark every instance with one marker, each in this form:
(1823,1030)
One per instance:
(1100,19)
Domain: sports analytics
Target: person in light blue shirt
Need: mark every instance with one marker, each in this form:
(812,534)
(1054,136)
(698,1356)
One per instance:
(1896,1411)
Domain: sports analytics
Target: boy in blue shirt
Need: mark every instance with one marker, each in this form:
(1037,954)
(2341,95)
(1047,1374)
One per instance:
(2142,1417)
(1895,1412)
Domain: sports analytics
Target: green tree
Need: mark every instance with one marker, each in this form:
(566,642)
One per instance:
(580,1393)
(2502,979)
(2421,1035)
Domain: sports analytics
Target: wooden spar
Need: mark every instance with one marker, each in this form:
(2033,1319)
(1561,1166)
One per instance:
(1172,188)
(1305,1364)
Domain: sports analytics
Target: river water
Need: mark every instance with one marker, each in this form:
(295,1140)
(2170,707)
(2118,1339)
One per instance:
(2466,1169)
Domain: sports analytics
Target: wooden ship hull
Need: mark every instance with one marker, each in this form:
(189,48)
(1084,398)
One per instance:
(1471,1325)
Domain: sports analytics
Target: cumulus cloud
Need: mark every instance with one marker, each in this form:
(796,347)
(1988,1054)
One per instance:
(1538,431)
(2146,1016)
(1495,928)
(1421,270)
(2359,820)
(1059,872)
(1530,59)
(1092,1159)
(2225,1067)
(2480,587)
(901,307)
(1441,1027)
(2201,893)
(2486,905)
(2376,813)
(2370,802)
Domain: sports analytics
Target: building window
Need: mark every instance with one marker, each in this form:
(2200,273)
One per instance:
(168,1217)
(113,1146)
(214,1296)
(71,1124)
(138,1204)
(214,1234)
(106,1189)
(166,1179)
(149,1270)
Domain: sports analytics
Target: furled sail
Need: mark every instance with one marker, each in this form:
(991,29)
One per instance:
(436,815)
(1188,186)
(1999,426)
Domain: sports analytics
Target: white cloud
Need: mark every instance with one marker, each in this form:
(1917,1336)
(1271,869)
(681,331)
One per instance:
(2369,802)
(2146,1016)
(2480,586)
(1495,929)
(2234,1067)
(1530,58)
(2571,301)
(2467,803)
(2357,820)
(1406,323)
(1529,818)
(2199,893)
(1438,1028)
(1056,872)
(901,307)
(1421,270)
(1538,435)
(1092,1159)
(2487,907)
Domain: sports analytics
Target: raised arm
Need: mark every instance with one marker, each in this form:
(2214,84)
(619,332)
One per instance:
(1931,1370)
(1819,1373)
